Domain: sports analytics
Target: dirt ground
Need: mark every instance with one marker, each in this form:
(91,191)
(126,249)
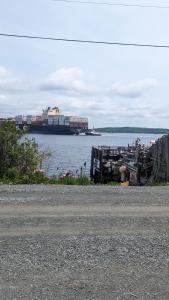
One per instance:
(93,242)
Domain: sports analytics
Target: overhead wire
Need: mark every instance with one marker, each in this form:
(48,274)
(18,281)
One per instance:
(80,41)
(112,4)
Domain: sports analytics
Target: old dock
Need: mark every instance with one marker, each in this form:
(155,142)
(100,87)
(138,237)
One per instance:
(140,164)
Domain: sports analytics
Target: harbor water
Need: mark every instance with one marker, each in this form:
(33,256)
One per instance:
(70,153)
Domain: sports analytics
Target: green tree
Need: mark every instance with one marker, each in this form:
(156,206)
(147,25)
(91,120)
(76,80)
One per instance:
(19,156)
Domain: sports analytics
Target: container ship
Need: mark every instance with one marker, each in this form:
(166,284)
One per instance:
(52,121)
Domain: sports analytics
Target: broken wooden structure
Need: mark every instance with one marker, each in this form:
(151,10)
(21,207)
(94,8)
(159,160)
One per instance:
(105,163)
(143,164)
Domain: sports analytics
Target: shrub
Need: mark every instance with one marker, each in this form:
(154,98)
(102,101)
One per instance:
(19,156)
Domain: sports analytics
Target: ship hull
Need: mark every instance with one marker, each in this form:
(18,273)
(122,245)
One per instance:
(51,129)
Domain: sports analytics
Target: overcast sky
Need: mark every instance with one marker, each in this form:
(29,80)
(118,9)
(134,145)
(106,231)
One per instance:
(111,85)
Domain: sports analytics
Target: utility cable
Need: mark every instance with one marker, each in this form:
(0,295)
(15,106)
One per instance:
(107,43)
(112,4)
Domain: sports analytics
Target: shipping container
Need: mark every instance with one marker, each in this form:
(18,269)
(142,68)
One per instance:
(56,119)
(37,123)
(78,122)
(29,119)
(19,120)
(78,119)
(79,125)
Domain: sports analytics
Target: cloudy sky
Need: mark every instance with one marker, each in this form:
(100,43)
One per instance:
(111,85)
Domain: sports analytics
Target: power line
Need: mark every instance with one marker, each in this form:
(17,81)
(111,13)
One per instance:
(83,41)
(112,4)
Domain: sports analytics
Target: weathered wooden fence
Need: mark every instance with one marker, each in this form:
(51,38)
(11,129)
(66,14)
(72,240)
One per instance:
(160,160)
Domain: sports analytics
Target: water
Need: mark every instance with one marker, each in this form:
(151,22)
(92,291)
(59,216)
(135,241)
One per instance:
(71,152)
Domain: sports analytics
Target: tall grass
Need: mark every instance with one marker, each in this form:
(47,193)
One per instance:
(70,181)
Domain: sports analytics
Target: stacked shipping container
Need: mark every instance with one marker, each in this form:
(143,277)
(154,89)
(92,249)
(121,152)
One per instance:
(53,117)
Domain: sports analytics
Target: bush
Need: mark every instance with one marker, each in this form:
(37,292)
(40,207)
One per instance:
(13,177)
(19,157)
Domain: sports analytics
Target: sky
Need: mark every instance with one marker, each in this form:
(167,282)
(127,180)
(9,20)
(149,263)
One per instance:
(111,85)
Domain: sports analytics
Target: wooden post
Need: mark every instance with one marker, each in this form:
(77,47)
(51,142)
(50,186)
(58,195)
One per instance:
(92,164)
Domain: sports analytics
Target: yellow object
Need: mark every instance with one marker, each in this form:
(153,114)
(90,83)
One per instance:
(125,184)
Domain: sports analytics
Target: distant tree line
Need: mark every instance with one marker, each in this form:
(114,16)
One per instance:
(133,130)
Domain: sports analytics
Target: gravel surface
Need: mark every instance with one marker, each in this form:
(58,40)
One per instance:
(95,242)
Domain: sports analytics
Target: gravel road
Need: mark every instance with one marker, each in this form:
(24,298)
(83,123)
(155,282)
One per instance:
(94,242)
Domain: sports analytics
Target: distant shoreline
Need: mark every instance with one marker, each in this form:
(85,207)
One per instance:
(133,130)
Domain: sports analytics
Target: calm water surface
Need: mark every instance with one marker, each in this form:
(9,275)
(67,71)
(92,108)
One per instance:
(70,152)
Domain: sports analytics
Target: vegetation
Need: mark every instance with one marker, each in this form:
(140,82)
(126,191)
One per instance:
(71,180)
(20,157)
(133,130)
(113,183)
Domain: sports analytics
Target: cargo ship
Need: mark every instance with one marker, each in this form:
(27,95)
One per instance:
(52,121)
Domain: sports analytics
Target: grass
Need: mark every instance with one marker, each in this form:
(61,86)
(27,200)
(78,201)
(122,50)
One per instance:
(113,183)
(40,178)
(70,181)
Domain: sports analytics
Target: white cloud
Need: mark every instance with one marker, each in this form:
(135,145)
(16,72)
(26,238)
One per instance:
(9,84)
(4,72)
(70,82)
(67,81)
(12,85)
(2,97)
(133,90)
